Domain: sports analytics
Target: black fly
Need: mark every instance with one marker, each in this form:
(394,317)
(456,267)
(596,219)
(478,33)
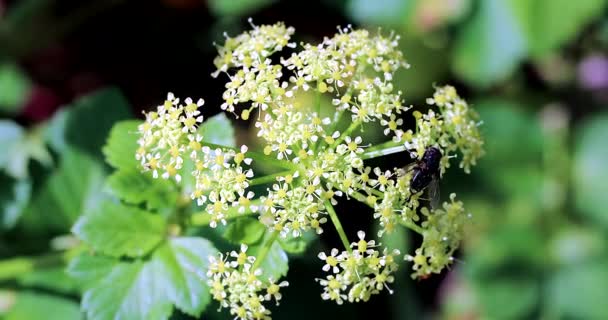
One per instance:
(426,174)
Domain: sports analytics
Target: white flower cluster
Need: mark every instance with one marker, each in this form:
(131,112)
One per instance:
(238,286)
(455,128)
(357,274)
(443,229)
(169,136)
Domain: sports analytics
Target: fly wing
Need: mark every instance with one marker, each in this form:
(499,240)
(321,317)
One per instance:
(403,171)
(434,192)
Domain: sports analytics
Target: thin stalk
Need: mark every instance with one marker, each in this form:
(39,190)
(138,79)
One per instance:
(336,221)
(383,149)
(412,226)
(265,249)
(269,178)
(347,132)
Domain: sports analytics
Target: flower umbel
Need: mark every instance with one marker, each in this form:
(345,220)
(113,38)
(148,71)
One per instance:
(321,159)
(236,285)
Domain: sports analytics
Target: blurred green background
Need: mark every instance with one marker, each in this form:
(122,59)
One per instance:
(536,70)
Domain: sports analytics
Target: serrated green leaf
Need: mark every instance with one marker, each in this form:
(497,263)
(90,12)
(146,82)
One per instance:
(275,265)
(88,270)
(117,230)
(579,291)
(218,129)
(135,187)
(14,196)
(15,88)
(73,188)
(244,230)
(185,261)
(30,305)
(174,275)
(297,245)
(121,145)
(130,291)
(589,172)
(91,118)
(481,55)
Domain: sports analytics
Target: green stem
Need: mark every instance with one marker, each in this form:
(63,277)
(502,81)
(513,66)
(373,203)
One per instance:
(412,226)
(265,249)
(202,218)
(269,178)
(256,156)
(383,149)
(338,225)
(318,104)
(347,132)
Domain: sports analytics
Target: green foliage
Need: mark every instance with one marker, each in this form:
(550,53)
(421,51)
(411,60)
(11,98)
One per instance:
(121,145)
(15,88)
(245,230)
(590,173)
(14,197)
(135,187)
(30,305)
(147,289)
(275,264)
(218,129)
(384,12)
(91,118)
(72,189)
(20,146)
(490,45)
(118,230)
(297,245)
(579,292)
(231,8)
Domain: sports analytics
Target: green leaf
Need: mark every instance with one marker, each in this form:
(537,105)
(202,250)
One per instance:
(73,188)
(297,245)
(381,12)
(244,230)
(218,129)
(185,261)
(236,7)
(554,22)
(91,117)
(589,172)
(131,291)
(88,270)
(15,88)
(118,230)
(522,295)
(174,275)
(579,292)
(30,305)
(136,187)
(121,145)
(275,264)
(14,196)
(18,147)
(491,44)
